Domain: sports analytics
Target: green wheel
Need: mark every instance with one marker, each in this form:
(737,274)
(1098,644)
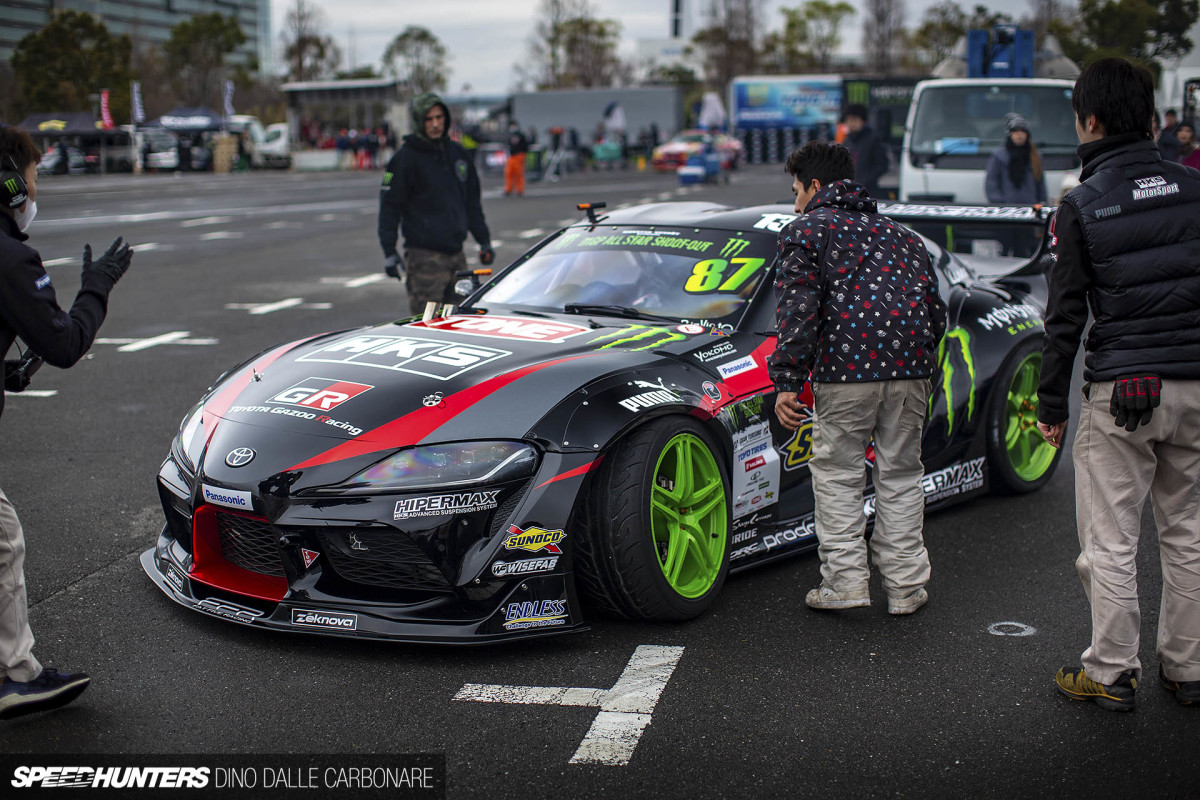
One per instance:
(655,543)
(1020,459)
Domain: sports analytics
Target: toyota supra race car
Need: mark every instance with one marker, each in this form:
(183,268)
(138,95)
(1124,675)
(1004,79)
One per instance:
(591,430)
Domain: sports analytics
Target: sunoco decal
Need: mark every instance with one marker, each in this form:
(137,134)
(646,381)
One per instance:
(798,450)
(494,327)
(441,504)
(534,539)
(529,566)
(333,620)
(535,614)
(230,498)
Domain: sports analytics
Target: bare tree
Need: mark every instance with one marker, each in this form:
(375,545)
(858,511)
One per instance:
(310,52)
(825,20)
(419,58)
(590,52)
(547,57)
(728,43)
(941,27)
(1046,12)
(787,52)
(883,32)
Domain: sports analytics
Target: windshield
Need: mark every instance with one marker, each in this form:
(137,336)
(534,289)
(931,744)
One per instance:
(970,119)
(685,274)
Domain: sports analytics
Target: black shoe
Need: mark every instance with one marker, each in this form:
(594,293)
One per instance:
(1187,693)
(49,690)
(1117,696)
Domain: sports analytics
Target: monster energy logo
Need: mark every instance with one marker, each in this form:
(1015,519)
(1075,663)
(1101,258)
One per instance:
(632,334)
(11,185)
(858,92)
(963,339)
(734,247)
(566,240)
(387,179)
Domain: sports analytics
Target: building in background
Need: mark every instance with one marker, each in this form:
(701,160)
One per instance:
(145,22)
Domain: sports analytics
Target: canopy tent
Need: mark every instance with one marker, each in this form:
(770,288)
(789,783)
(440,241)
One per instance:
(192,120)
(65,123)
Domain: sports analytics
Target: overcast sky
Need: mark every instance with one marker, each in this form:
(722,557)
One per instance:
(486,37)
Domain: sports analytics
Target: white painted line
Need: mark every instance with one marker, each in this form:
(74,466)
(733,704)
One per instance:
(530,234)
(1011,629)
(153,341)
(129,341)
(59,262)
(282,225)
(192,223)
(266,308)
(365,280)
(330,217)
(208,237)
(562,223)
(318,306)
(665,196)
(497,243)
(625,709)
(33,393)
(147,247)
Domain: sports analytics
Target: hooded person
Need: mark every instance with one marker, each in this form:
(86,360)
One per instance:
(1014,172)
(431,194)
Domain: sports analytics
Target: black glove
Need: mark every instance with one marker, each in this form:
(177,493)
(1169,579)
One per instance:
(393,266)
(487,255)
(1134,400)
(112,264)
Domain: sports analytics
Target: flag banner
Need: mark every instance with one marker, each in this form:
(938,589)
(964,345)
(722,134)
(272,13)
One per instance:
(105,115)
(229,98)
(135,97)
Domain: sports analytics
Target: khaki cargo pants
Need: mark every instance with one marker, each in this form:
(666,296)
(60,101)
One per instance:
(431,276)
(846,417)
(16,639)
(1114,471)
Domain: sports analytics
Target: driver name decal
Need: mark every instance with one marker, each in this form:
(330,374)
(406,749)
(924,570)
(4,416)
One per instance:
(494,327)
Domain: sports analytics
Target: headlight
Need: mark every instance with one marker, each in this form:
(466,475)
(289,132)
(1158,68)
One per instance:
(189,442)
(443,465)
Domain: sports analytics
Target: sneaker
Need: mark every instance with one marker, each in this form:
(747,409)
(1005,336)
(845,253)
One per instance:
(1187,693)
(1117,696)
(909,603)
(827,599)
(49,690)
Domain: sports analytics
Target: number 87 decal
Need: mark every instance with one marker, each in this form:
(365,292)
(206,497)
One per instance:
(709,275)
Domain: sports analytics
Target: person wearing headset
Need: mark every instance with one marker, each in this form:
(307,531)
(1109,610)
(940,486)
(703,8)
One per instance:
(30,310)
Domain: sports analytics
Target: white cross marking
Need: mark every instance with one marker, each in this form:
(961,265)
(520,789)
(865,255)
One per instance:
(208,237)
(33,393)
(129,345)
(625,709)
(192,223)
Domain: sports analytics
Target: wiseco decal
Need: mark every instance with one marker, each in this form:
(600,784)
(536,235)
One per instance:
(322,394)
(534,539)
(507,328)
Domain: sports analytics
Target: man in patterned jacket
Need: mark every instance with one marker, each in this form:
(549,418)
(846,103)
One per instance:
(859,311)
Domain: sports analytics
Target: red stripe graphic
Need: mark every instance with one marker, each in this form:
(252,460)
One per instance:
(220,404)
(415,426)
(586,468)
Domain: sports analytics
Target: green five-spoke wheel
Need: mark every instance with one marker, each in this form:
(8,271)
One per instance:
(1020,458)
(655,527)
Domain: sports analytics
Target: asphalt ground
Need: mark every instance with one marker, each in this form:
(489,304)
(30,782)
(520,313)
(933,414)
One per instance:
(769,698)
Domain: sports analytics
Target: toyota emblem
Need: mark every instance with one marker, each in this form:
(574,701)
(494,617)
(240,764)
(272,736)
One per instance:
(240,457)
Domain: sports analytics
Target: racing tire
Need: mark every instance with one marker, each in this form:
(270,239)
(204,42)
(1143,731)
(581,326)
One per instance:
(654,541)
(1019,459)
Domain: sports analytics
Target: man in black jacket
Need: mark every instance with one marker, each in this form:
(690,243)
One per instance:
(1127,244)
(859,310)
(870,153)
(431,191)
(29,309)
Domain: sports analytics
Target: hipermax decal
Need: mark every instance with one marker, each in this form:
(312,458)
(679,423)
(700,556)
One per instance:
(534,539)
(443,504)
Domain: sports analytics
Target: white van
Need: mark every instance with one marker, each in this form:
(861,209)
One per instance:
(954,126)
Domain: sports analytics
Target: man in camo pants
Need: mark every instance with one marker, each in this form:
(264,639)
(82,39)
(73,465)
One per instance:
(431,192)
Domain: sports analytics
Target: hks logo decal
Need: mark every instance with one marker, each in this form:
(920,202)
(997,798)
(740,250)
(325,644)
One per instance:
(410,354)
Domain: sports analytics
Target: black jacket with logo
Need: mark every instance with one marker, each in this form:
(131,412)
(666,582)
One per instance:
(29,308)
(431,191)
(1127,244)
(858,298)
(871,160)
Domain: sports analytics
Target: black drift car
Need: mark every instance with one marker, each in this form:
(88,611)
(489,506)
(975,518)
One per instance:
(593,425)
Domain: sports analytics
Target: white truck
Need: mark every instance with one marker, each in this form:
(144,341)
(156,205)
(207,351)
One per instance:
(269,147)
(954,125)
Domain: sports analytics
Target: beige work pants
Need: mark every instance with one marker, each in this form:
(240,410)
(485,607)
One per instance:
(1114,471)
(16,639)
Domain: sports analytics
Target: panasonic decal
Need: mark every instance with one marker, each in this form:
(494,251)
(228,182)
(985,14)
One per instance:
(230,498)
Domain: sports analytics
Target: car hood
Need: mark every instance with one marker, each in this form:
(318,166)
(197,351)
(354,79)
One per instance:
(458,378)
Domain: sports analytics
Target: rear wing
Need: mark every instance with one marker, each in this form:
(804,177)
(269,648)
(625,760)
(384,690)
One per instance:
(1018,232)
